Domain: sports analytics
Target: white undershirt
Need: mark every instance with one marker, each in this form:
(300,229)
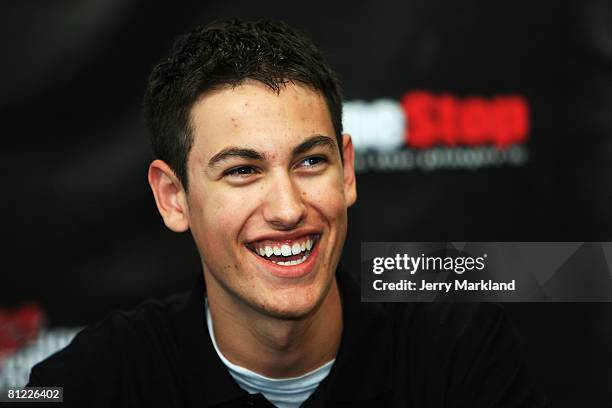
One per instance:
(282,392)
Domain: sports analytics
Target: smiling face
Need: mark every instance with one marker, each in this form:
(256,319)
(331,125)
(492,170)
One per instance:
(268,196)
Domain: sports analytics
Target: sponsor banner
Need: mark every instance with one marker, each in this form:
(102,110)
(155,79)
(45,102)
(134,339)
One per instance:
(426,131)
(486,271)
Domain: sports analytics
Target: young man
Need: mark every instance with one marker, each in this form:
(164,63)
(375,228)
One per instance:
(245,120)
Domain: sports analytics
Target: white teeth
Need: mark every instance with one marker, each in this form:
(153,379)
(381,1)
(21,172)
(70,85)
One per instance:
(295,262)
(296,249)
(286,250)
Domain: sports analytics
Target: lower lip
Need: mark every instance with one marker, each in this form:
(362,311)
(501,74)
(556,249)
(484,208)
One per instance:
(291,271)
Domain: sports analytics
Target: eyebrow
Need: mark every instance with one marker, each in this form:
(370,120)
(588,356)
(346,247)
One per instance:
(251,154)
(313,141)
(240,152)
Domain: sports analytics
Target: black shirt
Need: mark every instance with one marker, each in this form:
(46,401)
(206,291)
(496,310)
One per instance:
(391,355)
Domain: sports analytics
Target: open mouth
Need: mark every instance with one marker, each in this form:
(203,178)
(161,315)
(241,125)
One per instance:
(285,253)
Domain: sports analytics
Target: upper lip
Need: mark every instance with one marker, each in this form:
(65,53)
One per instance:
(281,236)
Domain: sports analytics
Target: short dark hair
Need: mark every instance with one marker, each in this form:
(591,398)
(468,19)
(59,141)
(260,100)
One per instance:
(228,53)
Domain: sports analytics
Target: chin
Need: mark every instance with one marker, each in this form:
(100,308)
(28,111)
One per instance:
(293,306)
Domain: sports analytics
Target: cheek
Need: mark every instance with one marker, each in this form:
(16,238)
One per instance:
(222,214)
(327,197)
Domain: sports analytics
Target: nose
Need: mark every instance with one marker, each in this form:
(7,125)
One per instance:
(284,208)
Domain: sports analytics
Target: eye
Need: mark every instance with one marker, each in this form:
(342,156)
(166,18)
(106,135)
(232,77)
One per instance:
(312,161)
(242,171)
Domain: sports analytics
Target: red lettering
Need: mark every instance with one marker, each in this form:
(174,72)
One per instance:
(447,107)
(510,120)
(448,120)
(474,124)
(420,130)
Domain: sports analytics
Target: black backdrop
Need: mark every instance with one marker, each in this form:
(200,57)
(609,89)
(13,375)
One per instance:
(83,234)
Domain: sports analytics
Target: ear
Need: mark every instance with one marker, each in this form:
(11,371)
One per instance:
(170,196)
(350,183)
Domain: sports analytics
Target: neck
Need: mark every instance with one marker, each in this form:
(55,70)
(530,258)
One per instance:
(273,347)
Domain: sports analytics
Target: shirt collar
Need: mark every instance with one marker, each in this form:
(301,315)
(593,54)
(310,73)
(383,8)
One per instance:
(363,367)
